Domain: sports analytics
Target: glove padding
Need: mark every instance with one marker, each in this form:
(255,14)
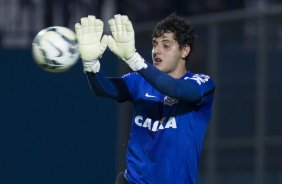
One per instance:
(122,41)
(91,47)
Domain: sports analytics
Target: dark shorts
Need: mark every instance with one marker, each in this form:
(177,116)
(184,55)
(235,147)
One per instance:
(121,179)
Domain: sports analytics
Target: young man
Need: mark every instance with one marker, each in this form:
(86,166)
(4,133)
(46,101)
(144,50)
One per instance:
(172,106)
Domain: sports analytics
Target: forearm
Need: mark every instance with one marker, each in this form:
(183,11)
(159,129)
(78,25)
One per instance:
(105,87)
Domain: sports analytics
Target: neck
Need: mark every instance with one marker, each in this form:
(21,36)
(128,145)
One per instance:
(178,73)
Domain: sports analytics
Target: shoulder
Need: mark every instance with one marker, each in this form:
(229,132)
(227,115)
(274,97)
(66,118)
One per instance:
(131,75)
(132,79)
(199,78)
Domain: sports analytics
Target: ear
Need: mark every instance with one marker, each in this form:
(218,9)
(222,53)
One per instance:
(185,51)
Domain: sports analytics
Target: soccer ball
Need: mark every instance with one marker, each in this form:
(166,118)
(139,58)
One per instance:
(55,49)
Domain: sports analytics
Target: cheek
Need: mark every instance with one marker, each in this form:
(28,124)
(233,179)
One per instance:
(172,59)
(170,62)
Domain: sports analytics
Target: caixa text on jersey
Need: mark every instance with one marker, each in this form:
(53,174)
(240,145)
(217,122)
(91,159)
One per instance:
(155,125)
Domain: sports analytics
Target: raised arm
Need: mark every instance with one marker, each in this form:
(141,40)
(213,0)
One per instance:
(91,46)
(122,43)
(114,88)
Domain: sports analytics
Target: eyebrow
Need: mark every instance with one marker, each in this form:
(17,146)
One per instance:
(164,40)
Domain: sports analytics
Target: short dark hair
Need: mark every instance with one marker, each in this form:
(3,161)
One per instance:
(182,30)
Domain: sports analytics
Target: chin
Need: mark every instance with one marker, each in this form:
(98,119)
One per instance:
(161,68)
(157,66)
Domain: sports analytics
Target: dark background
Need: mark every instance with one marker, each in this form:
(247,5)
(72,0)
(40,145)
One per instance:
(54,130)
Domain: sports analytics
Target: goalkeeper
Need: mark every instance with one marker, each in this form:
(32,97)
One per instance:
(172,106)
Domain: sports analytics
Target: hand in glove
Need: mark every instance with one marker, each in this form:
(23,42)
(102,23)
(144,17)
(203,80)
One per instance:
(91,46)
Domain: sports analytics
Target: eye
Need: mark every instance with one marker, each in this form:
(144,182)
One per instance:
(154,45)
(166,46)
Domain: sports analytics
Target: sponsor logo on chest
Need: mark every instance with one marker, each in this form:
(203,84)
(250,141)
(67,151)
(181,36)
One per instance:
(157,125)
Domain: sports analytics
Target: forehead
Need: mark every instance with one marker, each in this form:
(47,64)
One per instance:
(165,36)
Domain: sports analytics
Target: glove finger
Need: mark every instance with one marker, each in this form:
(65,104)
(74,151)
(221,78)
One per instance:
(118,23)
(103,44)
(113,29)
(91,23)
(128,26)
(124,19)
(99,25)
(111,44)
(91,20)
(84,21)
(78,29)
(95,27)
(111,22)
(112,25)
(84,25)
(117,18)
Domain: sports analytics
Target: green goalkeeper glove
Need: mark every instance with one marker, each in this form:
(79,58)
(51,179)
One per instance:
(122,42)
(91,47)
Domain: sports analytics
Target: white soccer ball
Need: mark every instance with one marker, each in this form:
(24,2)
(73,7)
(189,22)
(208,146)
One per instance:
(55,49)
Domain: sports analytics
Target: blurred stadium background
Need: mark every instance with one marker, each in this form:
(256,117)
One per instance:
(53,130)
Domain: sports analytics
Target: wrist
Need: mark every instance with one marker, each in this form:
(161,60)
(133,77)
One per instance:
(136,62)
(91,66)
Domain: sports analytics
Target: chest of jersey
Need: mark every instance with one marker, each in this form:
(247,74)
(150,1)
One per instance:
(155,111)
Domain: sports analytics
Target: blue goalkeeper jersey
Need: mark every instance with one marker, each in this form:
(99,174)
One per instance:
(167,134)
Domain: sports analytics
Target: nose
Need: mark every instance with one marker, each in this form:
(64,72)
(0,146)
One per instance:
(155,50)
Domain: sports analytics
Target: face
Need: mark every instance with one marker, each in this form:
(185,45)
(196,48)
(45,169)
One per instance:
(167,56)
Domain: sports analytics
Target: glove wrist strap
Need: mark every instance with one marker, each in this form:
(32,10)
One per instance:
(136,62)
(91,66)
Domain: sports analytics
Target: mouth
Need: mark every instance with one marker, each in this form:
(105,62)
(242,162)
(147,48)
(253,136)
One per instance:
(157,61)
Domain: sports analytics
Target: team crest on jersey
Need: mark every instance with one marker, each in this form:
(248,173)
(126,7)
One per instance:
(170,101)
